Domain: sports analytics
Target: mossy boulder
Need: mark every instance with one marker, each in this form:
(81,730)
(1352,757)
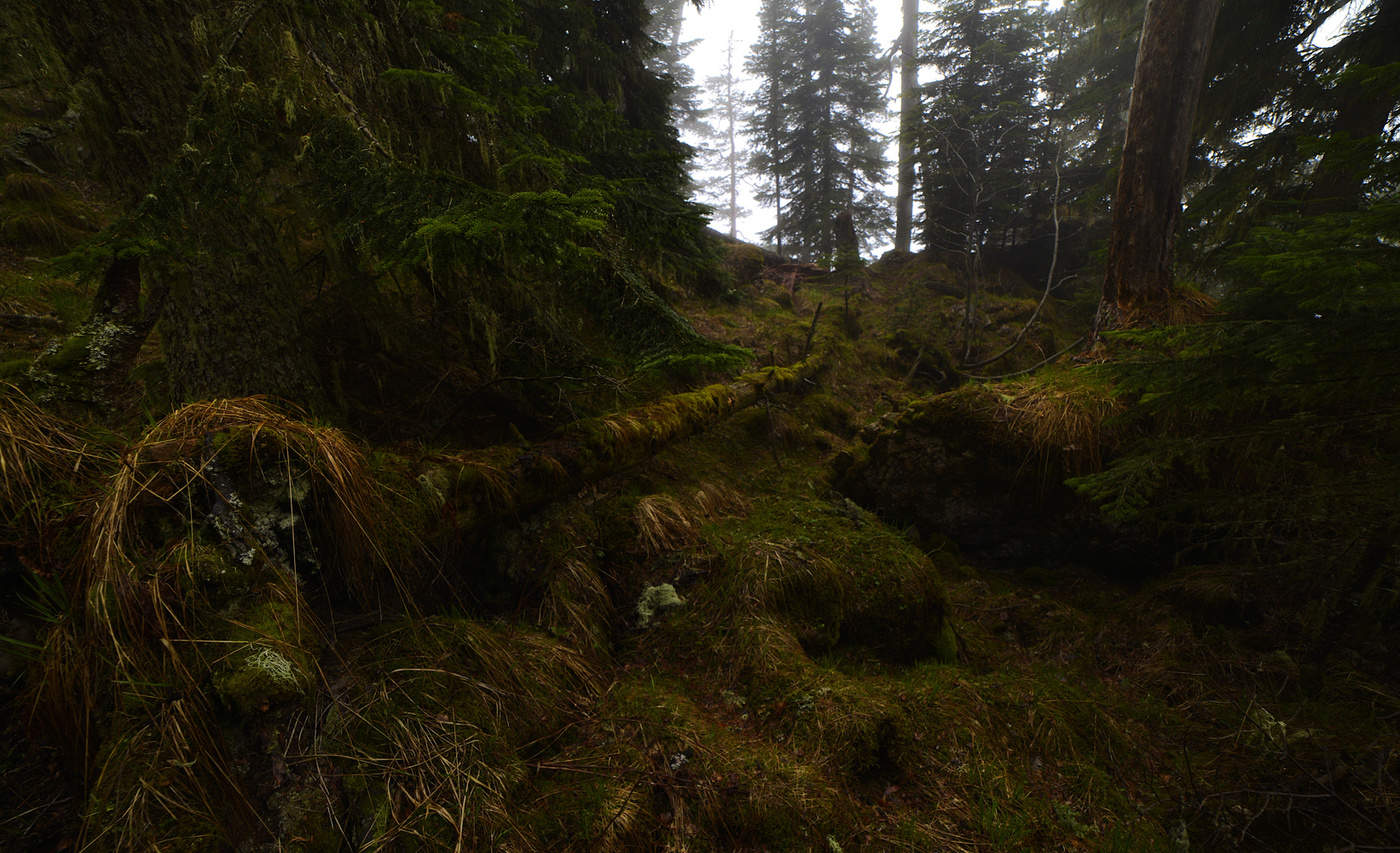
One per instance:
(951,467)
(744,262)
(839,578)
(985,466)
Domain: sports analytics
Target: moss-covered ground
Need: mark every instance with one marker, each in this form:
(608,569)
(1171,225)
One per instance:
(712,649)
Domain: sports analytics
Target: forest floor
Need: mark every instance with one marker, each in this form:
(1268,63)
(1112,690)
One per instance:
(716,650)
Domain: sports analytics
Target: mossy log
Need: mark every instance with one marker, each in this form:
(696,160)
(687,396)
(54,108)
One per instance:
(93,364)
(476,491)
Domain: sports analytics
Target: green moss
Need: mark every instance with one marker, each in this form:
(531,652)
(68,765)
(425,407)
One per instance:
(70,354)
(744,262)
(736,792)
(839,574)
(304,820)
(28,187)
(275,662)
(211,571)
(692,367)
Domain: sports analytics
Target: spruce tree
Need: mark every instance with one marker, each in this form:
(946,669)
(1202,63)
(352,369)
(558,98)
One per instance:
(722,156)
(1304,125)
(775,62)
(983,123)
(669,61)
(819,94)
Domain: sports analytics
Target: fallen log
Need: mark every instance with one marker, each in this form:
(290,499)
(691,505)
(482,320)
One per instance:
(27,322)
(477,490)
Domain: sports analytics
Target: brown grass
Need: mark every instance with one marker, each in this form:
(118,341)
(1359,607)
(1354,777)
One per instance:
(24,186)
(716,501)
(438,733)
(576,605)
(775,571)
(166,783)
(1061,418)
(664,524)
(172,457)
(37,450)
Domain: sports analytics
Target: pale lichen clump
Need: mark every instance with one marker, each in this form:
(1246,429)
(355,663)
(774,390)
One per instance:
(656,600)
(261,678)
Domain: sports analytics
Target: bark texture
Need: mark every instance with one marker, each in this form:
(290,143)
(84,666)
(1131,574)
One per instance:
(1167,82)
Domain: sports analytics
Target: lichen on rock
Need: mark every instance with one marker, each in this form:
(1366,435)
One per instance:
(656,600)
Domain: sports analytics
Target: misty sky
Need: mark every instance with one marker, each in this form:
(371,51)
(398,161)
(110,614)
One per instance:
(712,26)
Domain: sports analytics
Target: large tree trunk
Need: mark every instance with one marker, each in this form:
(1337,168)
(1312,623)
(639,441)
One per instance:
(908,125)
(1171,65)
(233,322)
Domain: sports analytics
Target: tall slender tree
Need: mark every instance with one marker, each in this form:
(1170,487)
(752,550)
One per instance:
(722,158)
(774,60)
(909,113)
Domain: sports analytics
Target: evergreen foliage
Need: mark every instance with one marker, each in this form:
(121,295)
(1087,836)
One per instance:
(983,148)
(463,182)
(1268,436)
(669,61)
(771,62)
(1300,126)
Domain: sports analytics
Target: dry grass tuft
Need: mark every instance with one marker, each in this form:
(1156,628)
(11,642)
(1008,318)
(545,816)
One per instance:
(664,524)
(25,186)
(716,501)
(776,571)
(63,693)
(36,450)
(576,605)
(173,457)
(165,783)
(438,737)
(1062,419)
(1184,306)
(435,770)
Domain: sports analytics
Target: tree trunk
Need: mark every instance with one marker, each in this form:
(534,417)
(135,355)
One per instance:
(1167,83)
(778,200)
(233,322)
(93,364)
(908,125)
(730,114)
